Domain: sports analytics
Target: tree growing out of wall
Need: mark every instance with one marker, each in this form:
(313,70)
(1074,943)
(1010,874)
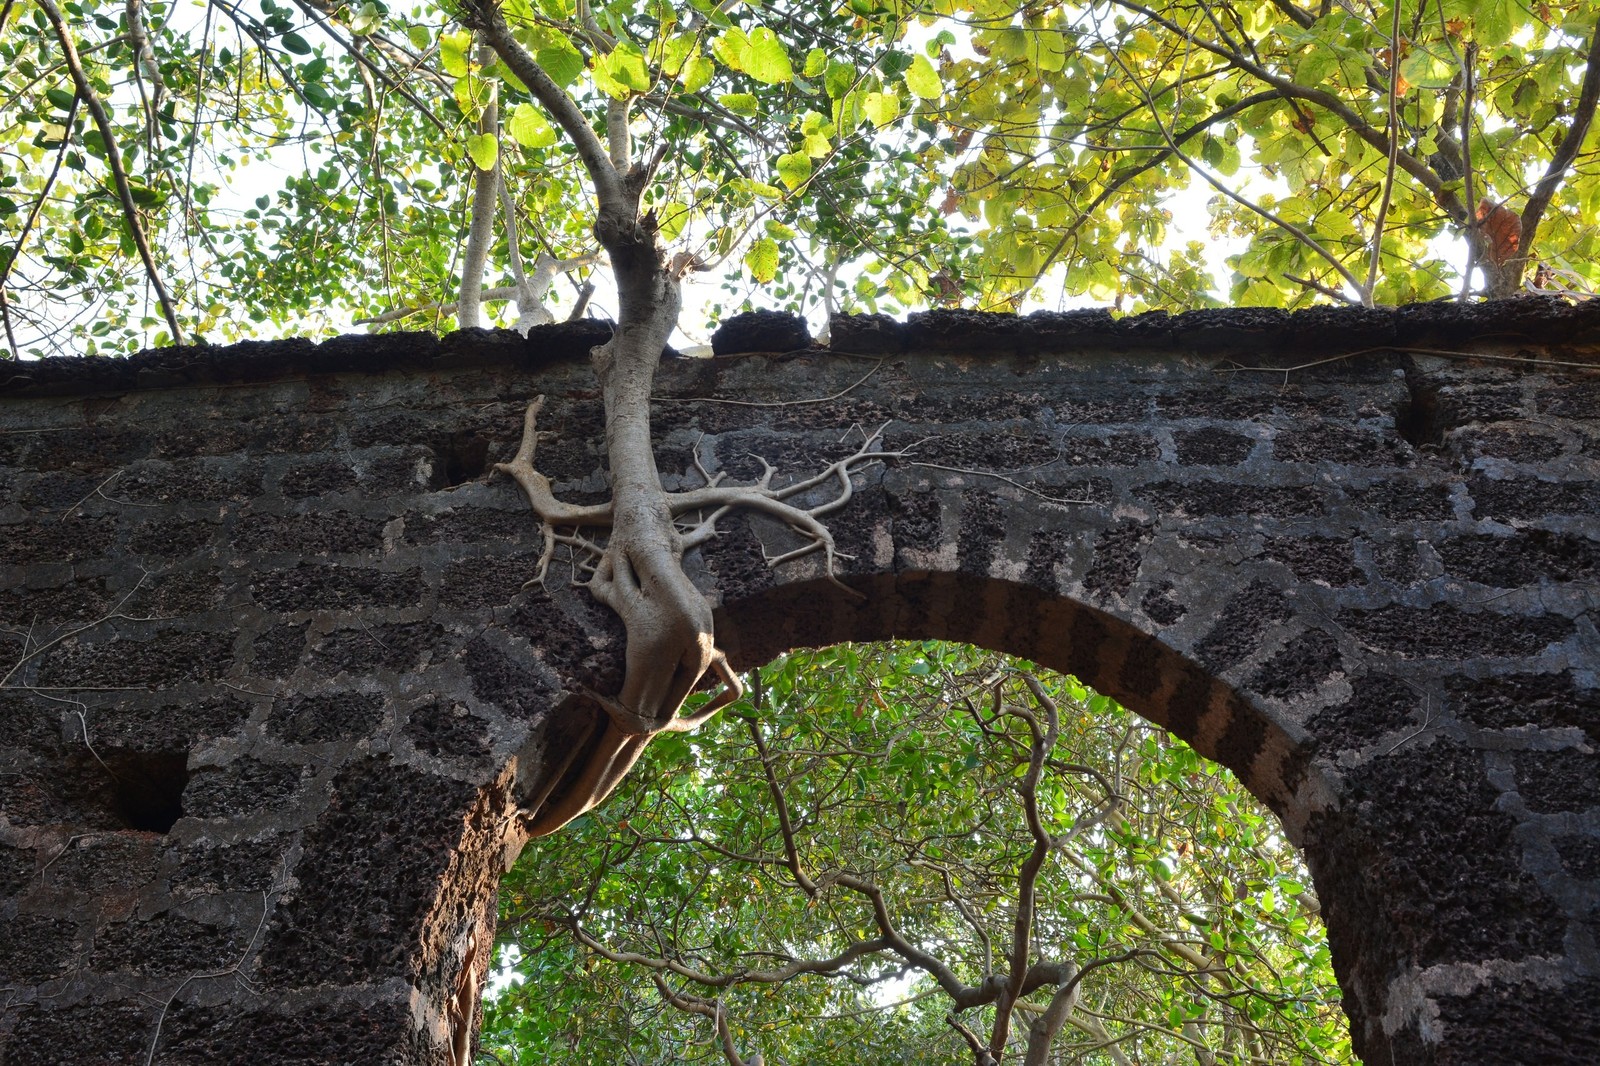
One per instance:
(802,146)
(1053,130)
(941,856)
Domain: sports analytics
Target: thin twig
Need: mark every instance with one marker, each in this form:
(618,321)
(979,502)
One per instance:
(92,492)
(130,210)
(1058,500)
(1446,353)
(155,1037)
(1394,157)
(773,403)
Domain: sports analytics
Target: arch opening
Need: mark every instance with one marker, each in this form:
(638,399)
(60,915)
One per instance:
(1172,698)
(1105,652)
(874,839)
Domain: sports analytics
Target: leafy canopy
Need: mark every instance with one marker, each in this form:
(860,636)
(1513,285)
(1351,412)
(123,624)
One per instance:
(291,166)
(840,862)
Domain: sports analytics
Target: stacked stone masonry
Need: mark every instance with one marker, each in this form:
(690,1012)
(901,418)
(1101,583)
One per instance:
(274,687)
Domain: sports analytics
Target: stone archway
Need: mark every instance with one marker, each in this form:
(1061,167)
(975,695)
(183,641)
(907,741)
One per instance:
(268,586)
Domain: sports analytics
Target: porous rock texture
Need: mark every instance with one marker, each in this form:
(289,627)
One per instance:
(274,688)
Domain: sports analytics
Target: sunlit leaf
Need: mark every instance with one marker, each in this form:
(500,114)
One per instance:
(794,168)
(529,128)
(762,259)
(922,79)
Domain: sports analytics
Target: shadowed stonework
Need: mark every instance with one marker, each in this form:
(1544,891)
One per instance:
(275,689)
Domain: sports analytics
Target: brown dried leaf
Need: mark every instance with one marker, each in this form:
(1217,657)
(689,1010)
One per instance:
(1503,229)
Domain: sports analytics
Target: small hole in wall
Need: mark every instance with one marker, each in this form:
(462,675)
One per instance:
(459,458)
(1417,418)
(147,788)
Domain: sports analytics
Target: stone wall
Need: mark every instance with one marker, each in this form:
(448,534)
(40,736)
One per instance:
(274,690)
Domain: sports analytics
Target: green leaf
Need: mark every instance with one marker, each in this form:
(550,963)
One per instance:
(675,53)
(453,48)
(762,259)
(296,44)
(758,188)
(318,96)
(697,73)
(839,79)
(60,98)
(923,80)
(529,128)
(366,19)
(816,62)
(420,38)
(768,61)
(484,148)
(622,72)
(563,64)
(881,108)
(740,103)
(794,169)
(672,217)
(732,48)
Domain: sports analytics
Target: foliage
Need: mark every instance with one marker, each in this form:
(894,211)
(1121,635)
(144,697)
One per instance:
(297,164)
(738,870)
(1072,124)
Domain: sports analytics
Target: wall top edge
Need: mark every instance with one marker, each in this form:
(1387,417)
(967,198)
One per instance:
(1545,323)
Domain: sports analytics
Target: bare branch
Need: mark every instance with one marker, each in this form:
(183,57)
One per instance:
(1394,155)
(981,1056)
(780,804)
(712,1009)
(145,57)
(1351,118)
(1571,144)
(485,194)
(619,142)
(130,211)
(1043,742)
(485,17)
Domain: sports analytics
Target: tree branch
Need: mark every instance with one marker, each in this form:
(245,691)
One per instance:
(707,1009)
(1321,97)
(485,194)
(619,143)
(1043,742)
(320,17)
(130,211)
(484,16)
(1582,116)
(44,192)
(1394,153)
(1289,227)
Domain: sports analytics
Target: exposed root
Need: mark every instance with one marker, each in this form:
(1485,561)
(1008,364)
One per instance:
(702,507)
(608,571)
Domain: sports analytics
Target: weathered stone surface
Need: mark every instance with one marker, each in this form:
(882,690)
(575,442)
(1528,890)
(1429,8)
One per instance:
(275,656)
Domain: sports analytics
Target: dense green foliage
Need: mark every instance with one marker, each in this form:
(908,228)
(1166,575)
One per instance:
(294,165)
(740,865)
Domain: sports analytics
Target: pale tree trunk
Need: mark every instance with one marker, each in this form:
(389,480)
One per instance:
(485,194)
(639,572)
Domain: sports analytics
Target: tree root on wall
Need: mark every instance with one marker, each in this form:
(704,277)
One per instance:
(670,641)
